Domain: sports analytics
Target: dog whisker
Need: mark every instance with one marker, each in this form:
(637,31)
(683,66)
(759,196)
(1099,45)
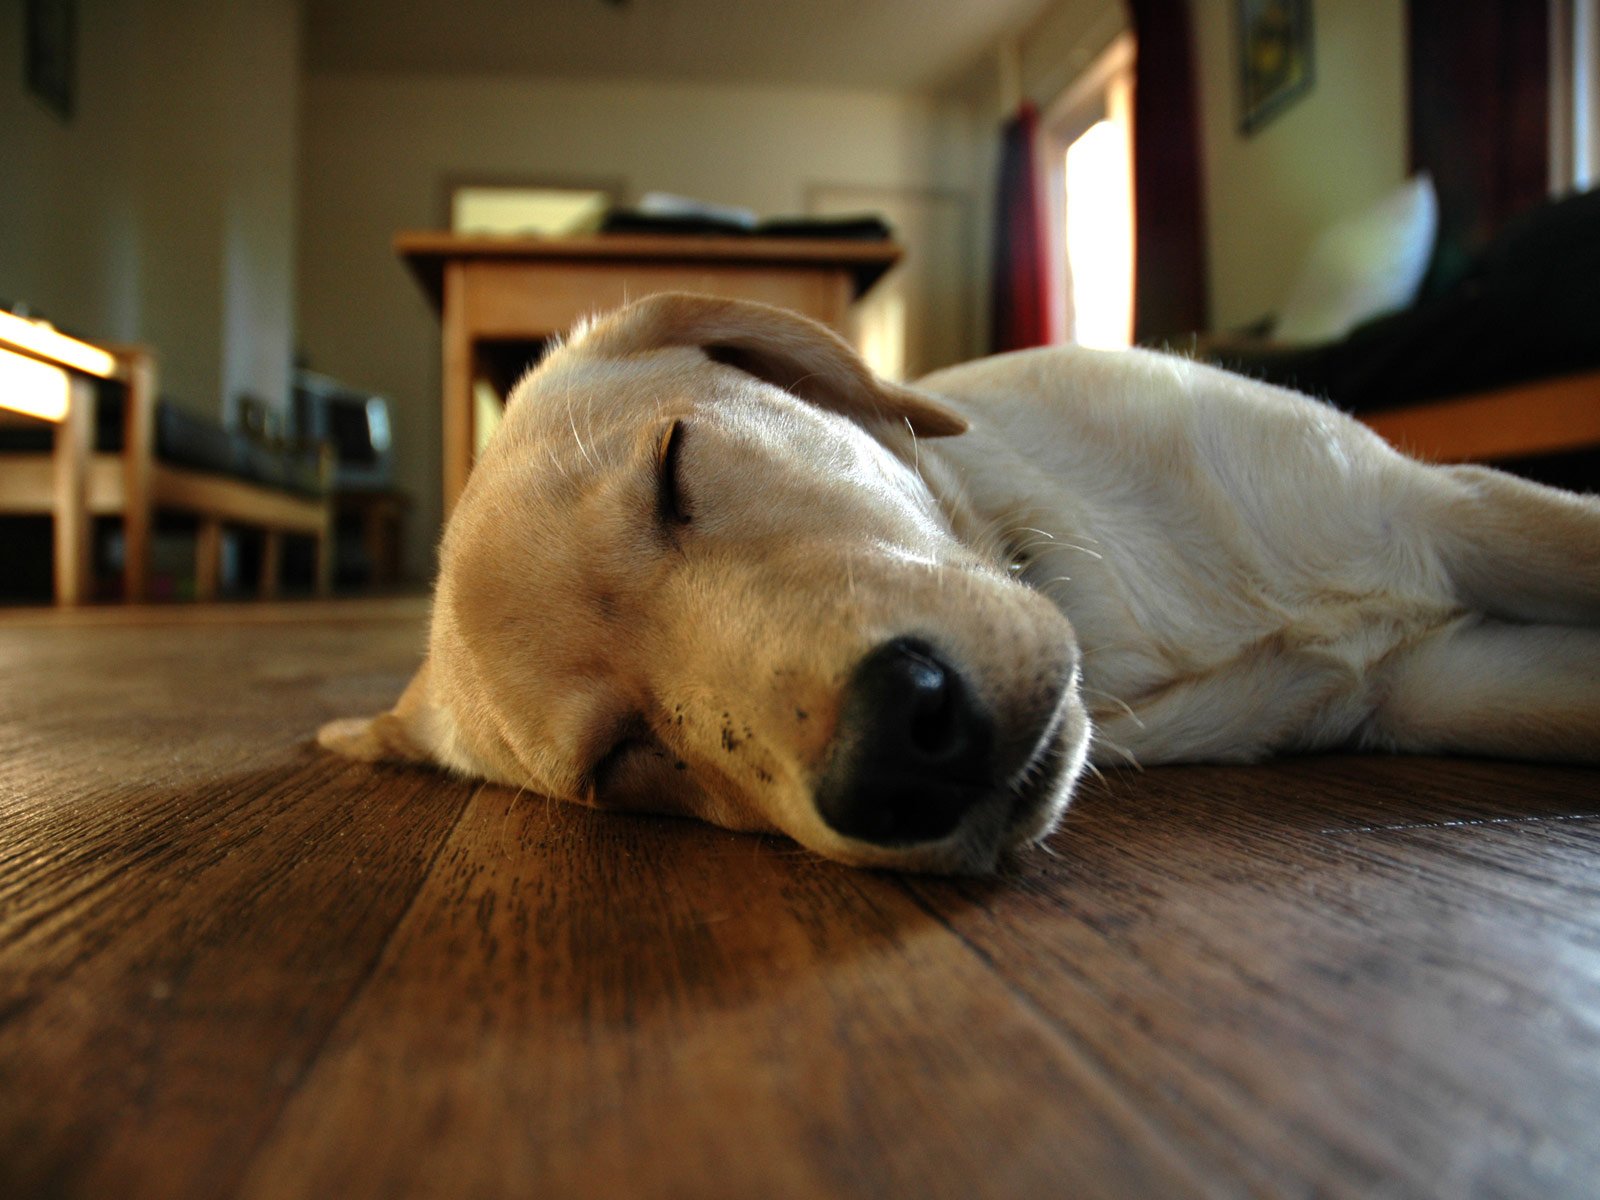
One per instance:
(916,452)
(1126,708)
(1100,739)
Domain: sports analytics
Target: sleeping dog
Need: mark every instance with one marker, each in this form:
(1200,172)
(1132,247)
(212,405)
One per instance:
(711,565)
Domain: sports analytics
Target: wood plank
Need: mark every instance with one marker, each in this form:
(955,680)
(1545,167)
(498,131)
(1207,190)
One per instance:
(40,340)
(428,251)
(645,1007)
(539,299)
(231,966)
(1303,977)
(1535,418)
(188,894)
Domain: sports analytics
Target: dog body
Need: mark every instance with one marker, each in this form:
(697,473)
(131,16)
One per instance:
(1249,571)
(711,566)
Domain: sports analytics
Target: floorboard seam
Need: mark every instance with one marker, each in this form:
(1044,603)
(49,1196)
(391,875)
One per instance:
(357,989)
(1180,1166)
(1462,824)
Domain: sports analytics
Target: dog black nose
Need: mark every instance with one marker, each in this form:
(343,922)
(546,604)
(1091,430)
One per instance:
(912,752)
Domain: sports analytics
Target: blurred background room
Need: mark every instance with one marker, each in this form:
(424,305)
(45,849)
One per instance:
(264,197)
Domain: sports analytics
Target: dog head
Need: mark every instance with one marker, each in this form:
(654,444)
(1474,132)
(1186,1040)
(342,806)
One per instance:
(697,571)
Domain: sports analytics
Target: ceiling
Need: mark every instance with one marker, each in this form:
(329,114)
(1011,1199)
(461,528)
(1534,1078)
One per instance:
(892,45)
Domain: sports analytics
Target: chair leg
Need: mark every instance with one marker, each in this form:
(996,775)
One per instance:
(136,551)
(323,549)
(271,562)
(208,560)
(74,525)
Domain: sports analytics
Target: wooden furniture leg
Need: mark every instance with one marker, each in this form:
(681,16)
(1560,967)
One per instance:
(137,459)
(378,538)
(208,559)
(271,562)
(72,521)
(458,376)
(323,559)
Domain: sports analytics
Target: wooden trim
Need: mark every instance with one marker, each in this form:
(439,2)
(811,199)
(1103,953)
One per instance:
(1538,418)
(532,301)
(427,253)
(39,340)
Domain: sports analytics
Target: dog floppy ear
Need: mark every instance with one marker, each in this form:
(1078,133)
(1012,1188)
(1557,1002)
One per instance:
(406,733)
(777,345)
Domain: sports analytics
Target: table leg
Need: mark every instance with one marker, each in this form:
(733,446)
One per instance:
(459,432)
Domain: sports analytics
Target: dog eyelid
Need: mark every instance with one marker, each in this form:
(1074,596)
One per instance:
(669,495)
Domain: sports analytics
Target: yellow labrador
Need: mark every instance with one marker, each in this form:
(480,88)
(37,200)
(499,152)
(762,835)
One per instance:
(711,565)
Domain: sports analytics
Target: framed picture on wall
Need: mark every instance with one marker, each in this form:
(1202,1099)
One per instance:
(51,50)
(1275,58)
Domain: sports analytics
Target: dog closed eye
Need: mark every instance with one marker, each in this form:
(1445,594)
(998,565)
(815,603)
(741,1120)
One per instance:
(670,503)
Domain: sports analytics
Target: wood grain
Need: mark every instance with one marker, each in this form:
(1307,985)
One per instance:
(233,967)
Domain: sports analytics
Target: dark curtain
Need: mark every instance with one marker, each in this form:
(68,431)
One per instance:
(1480,72)
(1020,312)
(1169,286)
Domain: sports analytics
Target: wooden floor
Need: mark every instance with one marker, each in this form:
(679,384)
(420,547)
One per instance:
(233,967)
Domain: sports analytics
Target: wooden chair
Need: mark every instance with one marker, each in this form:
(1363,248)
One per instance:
(75,484)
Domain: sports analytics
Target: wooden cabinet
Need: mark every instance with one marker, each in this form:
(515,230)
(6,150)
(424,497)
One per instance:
(496,292)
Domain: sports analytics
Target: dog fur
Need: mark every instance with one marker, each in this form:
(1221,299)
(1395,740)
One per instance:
(702,517)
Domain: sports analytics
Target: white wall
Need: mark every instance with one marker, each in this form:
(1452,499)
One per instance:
(376,150)
(163,211)
(68,200)
(1337,149)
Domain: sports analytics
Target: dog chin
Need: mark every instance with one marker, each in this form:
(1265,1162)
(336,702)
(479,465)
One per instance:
(1044,788)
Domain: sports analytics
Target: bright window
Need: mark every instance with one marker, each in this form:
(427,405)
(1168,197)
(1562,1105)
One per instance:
(1090,136)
